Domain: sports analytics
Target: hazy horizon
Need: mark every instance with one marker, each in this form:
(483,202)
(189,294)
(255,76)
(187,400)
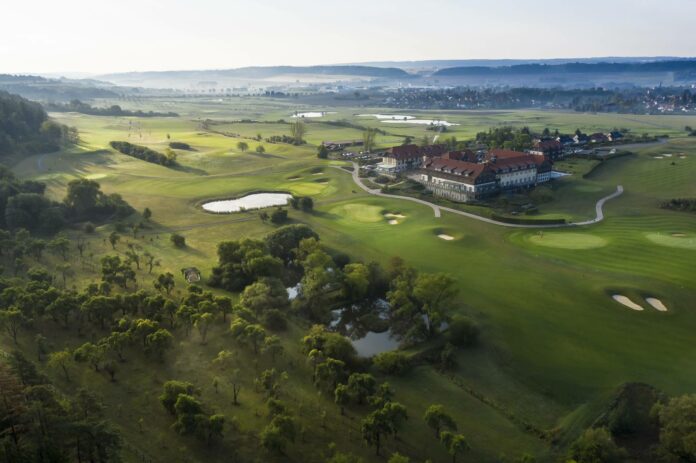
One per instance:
(82,37)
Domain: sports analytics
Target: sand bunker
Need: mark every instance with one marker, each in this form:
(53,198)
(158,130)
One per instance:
(389,215)
(626,301)
(656,304)
(393,222)
(658,157)
(674,240)
(318,173)
(667,155)
(679,235)
(445,237)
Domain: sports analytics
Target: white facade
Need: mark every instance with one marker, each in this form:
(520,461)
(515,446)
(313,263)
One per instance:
(517,178)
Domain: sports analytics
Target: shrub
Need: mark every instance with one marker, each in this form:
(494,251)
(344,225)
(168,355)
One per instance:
(177,145)
(178,240)
(88,227)
(463,331)
(144,153)
(392,363)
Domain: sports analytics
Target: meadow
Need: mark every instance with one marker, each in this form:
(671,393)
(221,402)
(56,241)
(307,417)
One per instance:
(553,340)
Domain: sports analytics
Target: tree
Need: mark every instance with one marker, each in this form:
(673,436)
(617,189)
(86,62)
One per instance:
(677,420)
(369,136)
(202,323)
(398,458)
(12,320)
(455,444)
(342,397)
(260,149)
(90,353)
(60,246)
(392,363)
(113,239)
(322,152)
(329,373)
(41,346)
(596,446)
(99,308)
(276,436)
(147,213)
(361,386)
(165,282)
(225,362)
(242,146)
(271,381)
(279,216)
(437,419)
(272,345)
(186,409)
(115,271)
(61,360)
(171,391)
(298,130)
(158,342)
(355,282)
(177,240)
(150,261)
(435,292)
(117,342)
(306,204)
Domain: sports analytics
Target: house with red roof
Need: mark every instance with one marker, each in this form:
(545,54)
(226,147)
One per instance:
(398,159)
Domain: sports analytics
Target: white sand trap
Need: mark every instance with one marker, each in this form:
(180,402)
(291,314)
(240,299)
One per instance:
(394,216)
(679,235)
(445,237)
(393,222)
(658,157)
(667,155)
(656,304)
(681,156)
(626,301)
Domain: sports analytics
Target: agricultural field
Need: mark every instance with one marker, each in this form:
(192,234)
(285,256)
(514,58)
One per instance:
(553,340)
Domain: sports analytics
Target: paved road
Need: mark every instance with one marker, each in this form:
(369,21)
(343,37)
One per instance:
(437,209)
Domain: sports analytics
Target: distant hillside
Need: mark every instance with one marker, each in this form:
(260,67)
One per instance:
(454,63)
(679,66)
(41,88)
(260,72)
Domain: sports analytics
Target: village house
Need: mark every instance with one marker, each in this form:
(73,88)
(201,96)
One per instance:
(341,144)
(598,138)
(552,149)
(398,159)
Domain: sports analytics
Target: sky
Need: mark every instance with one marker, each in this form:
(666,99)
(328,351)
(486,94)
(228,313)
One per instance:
(102,36)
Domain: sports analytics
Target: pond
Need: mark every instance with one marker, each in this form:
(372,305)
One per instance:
(367,327)
(396,117)
(253,201)
(422,122)
(557,174)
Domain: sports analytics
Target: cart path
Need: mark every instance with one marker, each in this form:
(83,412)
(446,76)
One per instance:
(437,209)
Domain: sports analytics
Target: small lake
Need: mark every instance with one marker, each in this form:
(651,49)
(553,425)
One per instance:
(557,174)
(396,117)
(421,122)
(375,343)
(253,201)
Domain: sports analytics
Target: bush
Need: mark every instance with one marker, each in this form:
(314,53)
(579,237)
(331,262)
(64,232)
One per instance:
(306,204)
(178,240)
(392,363)
(89,227)
(279,216)
(463,331)
(177,145)
(275,320)
(144,153)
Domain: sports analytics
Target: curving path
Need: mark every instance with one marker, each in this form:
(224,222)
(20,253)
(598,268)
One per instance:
(437,209)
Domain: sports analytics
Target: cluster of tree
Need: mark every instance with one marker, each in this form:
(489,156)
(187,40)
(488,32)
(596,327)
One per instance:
(179,399)
(78,106)
(26,129)
(44,89)
(144,153)
(23,204)
(419,304)
(288,140)
(37,423)
(680,204)
(506,137)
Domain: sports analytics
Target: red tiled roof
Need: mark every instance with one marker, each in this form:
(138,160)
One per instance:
(468,171)
(505,154)
(548,145)
(414,151)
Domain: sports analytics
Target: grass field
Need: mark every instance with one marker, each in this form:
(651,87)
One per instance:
(553,339)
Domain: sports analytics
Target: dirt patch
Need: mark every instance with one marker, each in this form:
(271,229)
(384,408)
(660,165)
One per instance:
(656,304)
(627,302)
